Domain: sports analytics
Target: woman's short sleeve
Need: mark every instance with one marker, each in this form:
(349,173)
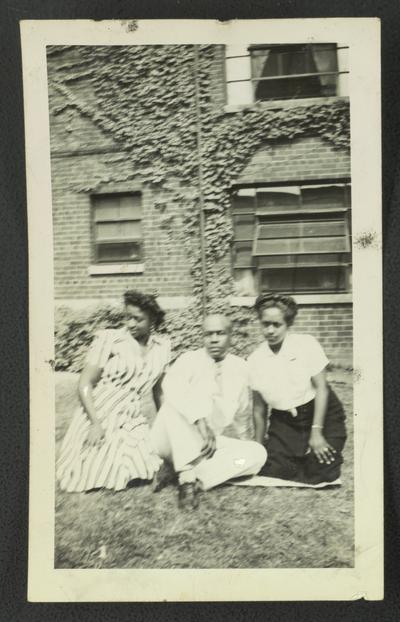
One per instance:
(100,349)
(316,356)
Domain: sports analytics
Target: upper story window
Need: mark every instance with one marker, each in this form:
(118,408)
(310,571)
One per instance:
(117,228)
(292,239)
(285,72)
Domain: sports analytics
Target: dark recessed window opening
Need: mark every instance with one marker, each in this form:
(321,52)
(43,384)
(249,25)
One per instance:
(117,228)
(294,71)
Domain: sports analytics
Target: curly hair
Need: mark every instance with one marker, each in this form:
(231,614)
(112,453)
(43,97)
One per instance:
(286,304)
(146,303)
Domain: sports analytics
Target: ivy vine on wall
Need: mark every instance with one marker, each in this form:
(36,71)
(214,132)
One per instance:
(144,98)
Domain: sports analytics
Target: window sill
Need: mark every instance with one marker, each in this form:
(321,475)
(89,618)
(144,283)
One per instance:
(116,268)
(301,299)
(284,103)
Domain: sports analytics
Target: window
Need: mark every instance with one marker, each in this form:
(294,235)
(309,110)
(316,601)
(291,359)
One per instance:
(117,228)
(293,71)
(285,72)
(292,239)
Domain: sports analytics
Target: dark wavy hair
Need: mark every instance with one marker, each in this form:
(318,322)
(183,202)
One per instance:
(286,304)
(146,303)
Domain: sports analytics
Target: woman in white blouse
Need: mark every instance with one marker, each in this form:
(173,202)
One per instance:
(306,432)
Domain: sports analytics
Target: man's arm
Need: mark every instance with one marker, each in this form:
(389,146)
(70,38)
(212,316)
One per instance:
(180,390)
(259,417)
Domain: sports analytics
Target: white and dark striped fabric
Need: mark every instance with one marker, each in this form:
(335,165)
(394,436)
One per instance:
(125,453)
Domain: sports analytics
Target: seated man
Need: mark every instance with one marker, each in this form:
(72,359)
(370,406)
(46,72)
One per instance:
(203,391)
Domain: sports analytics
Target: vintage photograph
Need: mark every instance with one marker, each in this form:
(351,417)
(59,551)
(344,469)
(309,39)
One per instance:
(201,224)
(202,216)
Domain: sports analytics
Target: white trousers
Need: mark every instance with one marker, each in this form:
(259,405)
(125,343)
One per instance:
(175,439)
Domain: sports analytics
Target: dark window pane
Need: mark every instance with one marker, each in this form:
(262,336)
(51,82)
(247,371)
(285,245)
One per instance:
(324,197)
(289,88)
(274,200)
(244,203)
(291,61)
(296,280)
(125,251)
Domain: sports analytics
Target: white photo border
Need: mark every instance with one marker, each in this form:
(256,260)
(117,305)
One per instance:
(365,580)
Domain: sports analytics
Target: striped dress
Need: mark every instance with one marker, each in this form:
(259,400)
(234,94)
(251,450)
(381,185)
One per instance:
(125,453)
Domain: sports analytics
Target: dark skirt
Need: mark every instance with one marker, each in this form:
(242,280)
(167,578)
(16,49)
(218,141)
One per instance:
(288,438)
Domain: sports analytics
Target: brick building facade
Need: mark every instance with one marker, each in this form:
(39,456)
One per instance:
(290,201)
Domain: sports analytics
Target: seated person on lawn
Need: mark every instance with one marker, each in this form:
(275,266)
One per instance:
(306,422)
(203,391)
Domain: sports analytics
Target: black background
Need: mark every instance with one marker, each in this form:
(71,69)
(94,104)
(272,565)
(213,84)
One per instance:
(14,398)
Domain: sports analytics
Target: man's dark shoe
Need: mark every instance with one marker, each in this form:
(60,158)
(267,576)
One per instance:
(163,477)
(188,495)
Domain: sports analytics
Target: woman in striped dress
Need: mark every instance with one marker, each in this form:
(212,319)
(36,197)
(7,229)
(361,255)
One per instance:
(107,443)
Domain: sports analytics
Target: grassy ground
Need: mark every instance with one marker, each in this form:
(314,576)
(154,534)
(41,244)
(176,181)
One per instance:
(234,527)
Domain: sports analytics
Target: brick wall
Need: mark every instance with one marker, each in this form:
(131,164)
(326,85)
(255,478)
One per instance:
(304,159)
(82,154)
(331,324)
(299,159)
(166,267)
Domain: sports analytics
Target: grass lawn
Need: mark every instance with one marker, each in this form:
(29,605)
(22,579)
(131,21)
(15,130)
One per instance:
(234,527)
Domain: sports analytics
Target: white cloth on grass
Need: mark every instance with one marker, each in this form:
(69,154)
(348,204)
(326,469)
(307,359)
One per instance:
(275,482)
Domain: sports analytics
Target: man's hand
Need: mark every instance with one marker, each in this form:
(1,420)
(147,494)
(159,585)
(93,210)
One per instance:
(208,437)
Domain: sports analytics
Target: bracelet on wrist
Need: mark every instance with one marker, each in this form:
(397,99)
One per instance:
(317,426)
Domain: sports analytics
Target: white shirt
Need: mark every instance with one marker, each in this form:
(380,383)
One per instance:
(198,387)
(284,379)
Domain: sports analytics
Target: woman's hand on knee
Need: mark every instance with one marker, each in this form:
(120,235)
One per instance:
(95,435)
(323,451)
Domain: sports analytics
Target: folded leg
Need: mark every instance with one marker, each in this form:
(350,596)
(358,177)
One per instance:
(175,439)
(232,458)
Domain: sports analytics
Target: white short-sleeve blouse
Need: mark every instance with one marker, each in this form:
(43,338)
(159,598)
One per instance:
(284,379)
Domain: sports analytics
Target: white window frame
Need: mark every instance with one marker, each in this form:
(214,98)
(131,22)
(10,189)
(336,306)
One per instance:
(239,85)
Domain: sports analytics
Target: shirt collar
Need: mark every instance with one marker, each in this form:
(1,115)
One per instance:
(286,350)
(212,361)
(154,338)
